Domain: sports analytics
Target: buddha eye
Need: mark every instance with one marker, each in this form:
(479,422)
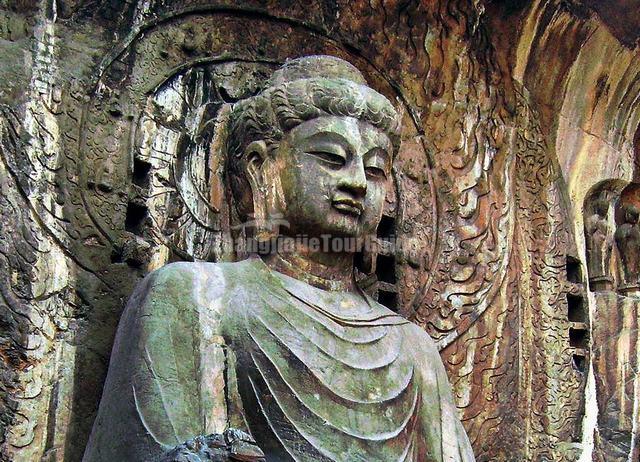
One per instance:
(376,172)
(330,158)
(377,164)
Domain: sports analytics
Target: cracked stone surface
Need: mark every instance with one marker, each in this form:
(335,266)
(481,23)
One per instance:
(518,116)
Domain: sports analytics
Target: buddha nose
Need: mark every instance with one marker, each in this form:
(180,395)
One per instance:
(354,179)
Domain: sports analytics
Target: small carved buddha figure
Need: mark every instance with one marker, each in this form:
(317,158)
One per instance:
(283,348)
(627,238)
(599,244)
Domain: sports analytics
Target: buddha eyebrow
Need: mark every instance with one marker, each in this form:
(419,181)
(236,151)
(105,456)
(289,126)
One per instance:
(380,155)
(378,150)
(332,137)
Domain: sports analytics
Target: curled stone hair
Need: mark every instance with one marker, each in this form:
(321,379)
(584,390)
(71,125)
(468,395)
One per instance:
(301,90)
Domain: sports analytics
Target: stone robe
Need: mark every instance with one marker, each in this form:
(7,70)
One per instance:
(313,375)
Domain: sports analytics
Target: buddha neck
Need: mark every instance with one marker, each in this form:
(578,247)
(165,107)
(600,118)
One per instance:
(328,271)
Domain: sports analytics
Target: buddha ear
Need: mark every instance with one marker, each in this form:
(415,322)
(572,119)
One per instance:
(256,154)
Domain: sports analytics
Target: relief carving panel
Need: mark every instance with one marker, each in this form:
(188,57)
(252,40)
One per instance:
(137,181)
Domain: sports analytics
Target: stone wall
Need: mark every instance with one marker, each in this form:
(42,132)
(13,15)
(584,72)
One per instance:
(111,128)
(588,93)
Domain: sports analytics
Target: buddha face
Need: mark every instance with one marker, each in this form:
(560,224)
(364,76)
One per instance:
(334,173)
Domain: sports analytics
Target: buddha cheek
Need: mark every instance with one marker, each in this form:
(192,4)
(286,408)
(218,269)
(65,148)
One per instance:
(373,206)
(306,197)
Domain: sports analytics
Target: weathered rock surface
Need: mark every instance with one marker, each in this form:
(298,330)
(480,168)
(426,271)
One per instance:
(517,114)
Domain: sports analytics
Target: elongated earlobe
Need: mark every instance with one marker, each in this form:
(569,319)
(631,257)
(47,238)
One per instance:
(256,155)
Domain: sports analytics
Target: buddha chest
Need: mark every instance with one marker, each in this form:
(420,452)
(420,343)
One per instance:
(326,374)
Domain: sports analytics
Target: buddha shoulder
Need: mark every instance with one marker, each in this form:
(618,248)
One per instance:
(423,347)
(178,289)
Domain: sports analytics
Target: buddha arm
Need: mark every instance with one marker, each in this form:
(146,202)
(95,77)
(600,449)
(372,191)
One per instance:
(445,440)
(166,381)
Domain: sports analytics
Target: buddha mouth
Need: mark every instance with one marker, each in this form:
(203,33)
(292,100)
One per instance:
(348,206)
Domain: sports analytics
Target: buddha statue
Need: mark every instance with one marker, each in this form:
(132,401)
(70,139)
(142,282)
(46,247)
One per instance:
(281,357)
(599,236)
(627,238)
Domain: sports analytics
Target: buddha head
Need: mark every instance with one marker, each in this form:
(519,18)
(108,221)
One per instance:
(631,214)
(313,148)
(601,207)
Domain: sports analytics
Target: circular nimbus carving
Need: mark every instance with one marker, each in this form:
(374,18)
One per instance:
(152,130)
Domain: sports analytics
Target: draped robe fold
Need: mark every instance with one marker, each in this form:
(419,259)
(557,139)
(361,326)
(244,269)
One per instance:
(313,375)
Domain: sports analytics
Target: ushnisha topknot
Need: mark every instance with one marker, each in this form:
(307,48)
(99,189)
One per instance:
(301,89)
(328,67)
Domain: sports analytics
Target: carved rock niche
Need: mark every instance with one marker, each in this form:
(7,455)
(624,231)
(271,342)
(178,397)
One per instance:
(155,190)
(612,236)
(166,136)
(488,262)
